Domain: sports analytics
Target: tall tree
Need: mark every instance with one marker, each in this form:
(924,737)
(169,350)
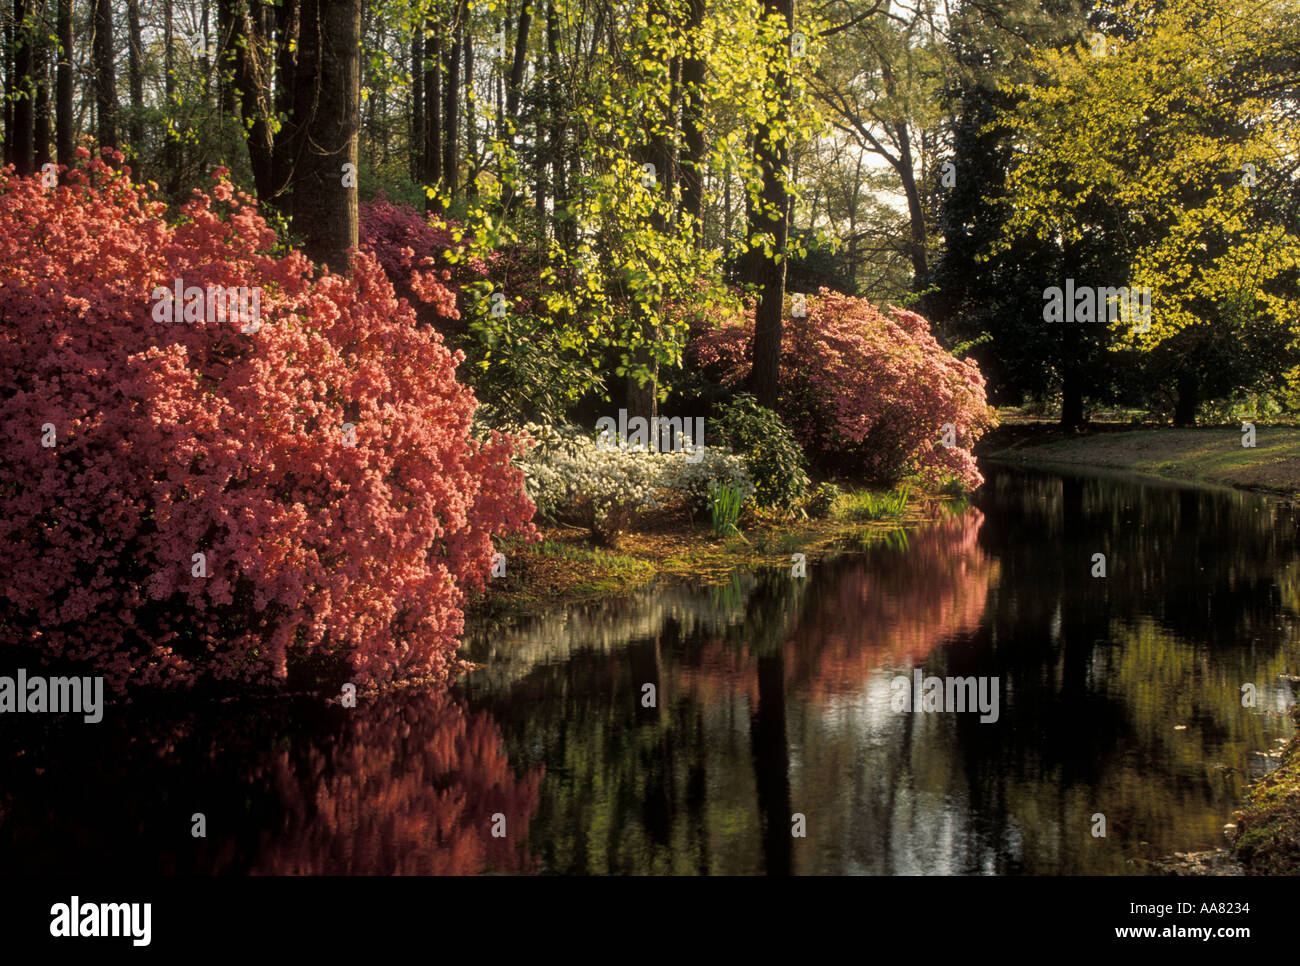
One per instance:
(65,119)
(41,68)
(327,114)
(135,73)
(451,101)
(21,131)
(105,77)
(769,220)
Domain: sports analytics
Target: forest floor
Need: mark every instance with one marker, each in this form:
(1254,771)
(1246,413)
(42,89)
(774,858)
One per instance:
(569,567)
(1213,454)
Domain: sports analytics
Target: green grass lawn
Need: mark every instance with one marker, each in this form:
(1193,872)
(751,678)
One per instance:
(1209,455)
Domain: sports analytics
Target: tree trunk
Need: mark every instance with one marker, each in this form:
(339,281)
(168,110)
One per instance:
(558,127)
(327,108)
(432,110)
(693,68)
(514,92)
(65,120)
(20,131)
(471,134)
(251,77)
(1188,399)
(772,219)
(105,79)
(287,143)
(417,101)
(451,104)
(135,75)
(41,68)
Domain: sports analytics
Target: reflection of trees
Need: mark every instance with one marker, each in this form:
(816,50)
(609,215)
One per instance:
(707,781)
(405,783)
(1101,670)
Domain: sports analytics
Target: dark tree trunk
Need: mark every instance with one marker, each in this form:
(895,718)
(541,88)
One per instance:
(559,192)
(693,123)
(135,75)
(417,102)
(288,141)
(9,92)
(105,79)
(327,108)
(432,110)
(772,219)
(21,130)
(451,104)
(252,81)
(471,135)
(44,113)
(514,92)
(1189,399)
(1071,398)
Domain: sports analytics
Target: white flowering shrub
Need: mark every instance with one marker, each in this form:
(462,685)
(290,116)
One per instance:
(569,474)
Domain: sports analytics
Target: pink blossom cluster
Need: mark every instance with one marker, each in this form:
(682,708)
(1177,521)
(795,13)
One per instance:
(176,440)
(865,391)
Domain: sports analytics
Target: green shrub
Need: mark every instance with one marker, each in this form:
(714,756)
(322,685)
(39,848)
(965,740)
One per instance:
(822,500)
(725,501)
(773,457)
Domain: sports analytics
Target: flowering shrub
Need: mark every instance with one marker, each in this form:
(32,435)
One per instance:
(569,474)
(491,303)
(866,392)
(184,501)
(412,249)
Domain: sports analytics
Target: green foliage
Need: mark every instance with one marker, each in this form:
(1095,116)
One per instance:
(772,455)
(525,368)
(821,502)
(725,502)
(865,505)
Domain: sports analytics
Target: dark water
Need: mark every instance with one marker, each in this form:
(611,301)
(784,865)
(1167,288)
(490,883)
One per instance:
(1118,696)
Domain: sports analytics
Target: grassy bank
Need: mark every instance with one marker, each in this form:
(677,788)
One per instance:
(1208,455)
(1268,830)
(567,566)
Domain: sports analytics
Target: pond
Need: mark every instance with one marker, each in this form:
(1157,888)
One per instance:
(759,726)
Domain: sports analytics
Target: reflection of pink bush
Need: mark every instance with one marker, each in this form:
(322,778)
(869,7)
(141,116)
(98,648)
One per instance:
(409,788)
(870,617)
(866,391)
(177,439)
(894,616)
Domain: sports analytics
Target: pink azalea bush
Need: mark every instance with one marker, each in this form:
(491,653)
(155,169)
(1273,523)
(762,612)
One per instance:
(411,248)
(420,255)
(865,391)
(177,439)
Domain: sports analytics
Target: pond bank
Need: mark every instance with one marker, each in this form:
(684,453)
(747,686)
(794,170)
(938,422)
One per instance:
(1207,455)
(1267,840)
(568,567)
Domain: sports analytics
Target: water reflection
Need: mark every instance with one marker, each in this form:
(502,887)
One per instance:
(1119,695)
(408,784)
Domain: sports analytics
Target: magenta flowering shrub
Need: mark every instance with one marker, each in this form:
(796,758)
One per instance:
(863,391)
(210,500)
